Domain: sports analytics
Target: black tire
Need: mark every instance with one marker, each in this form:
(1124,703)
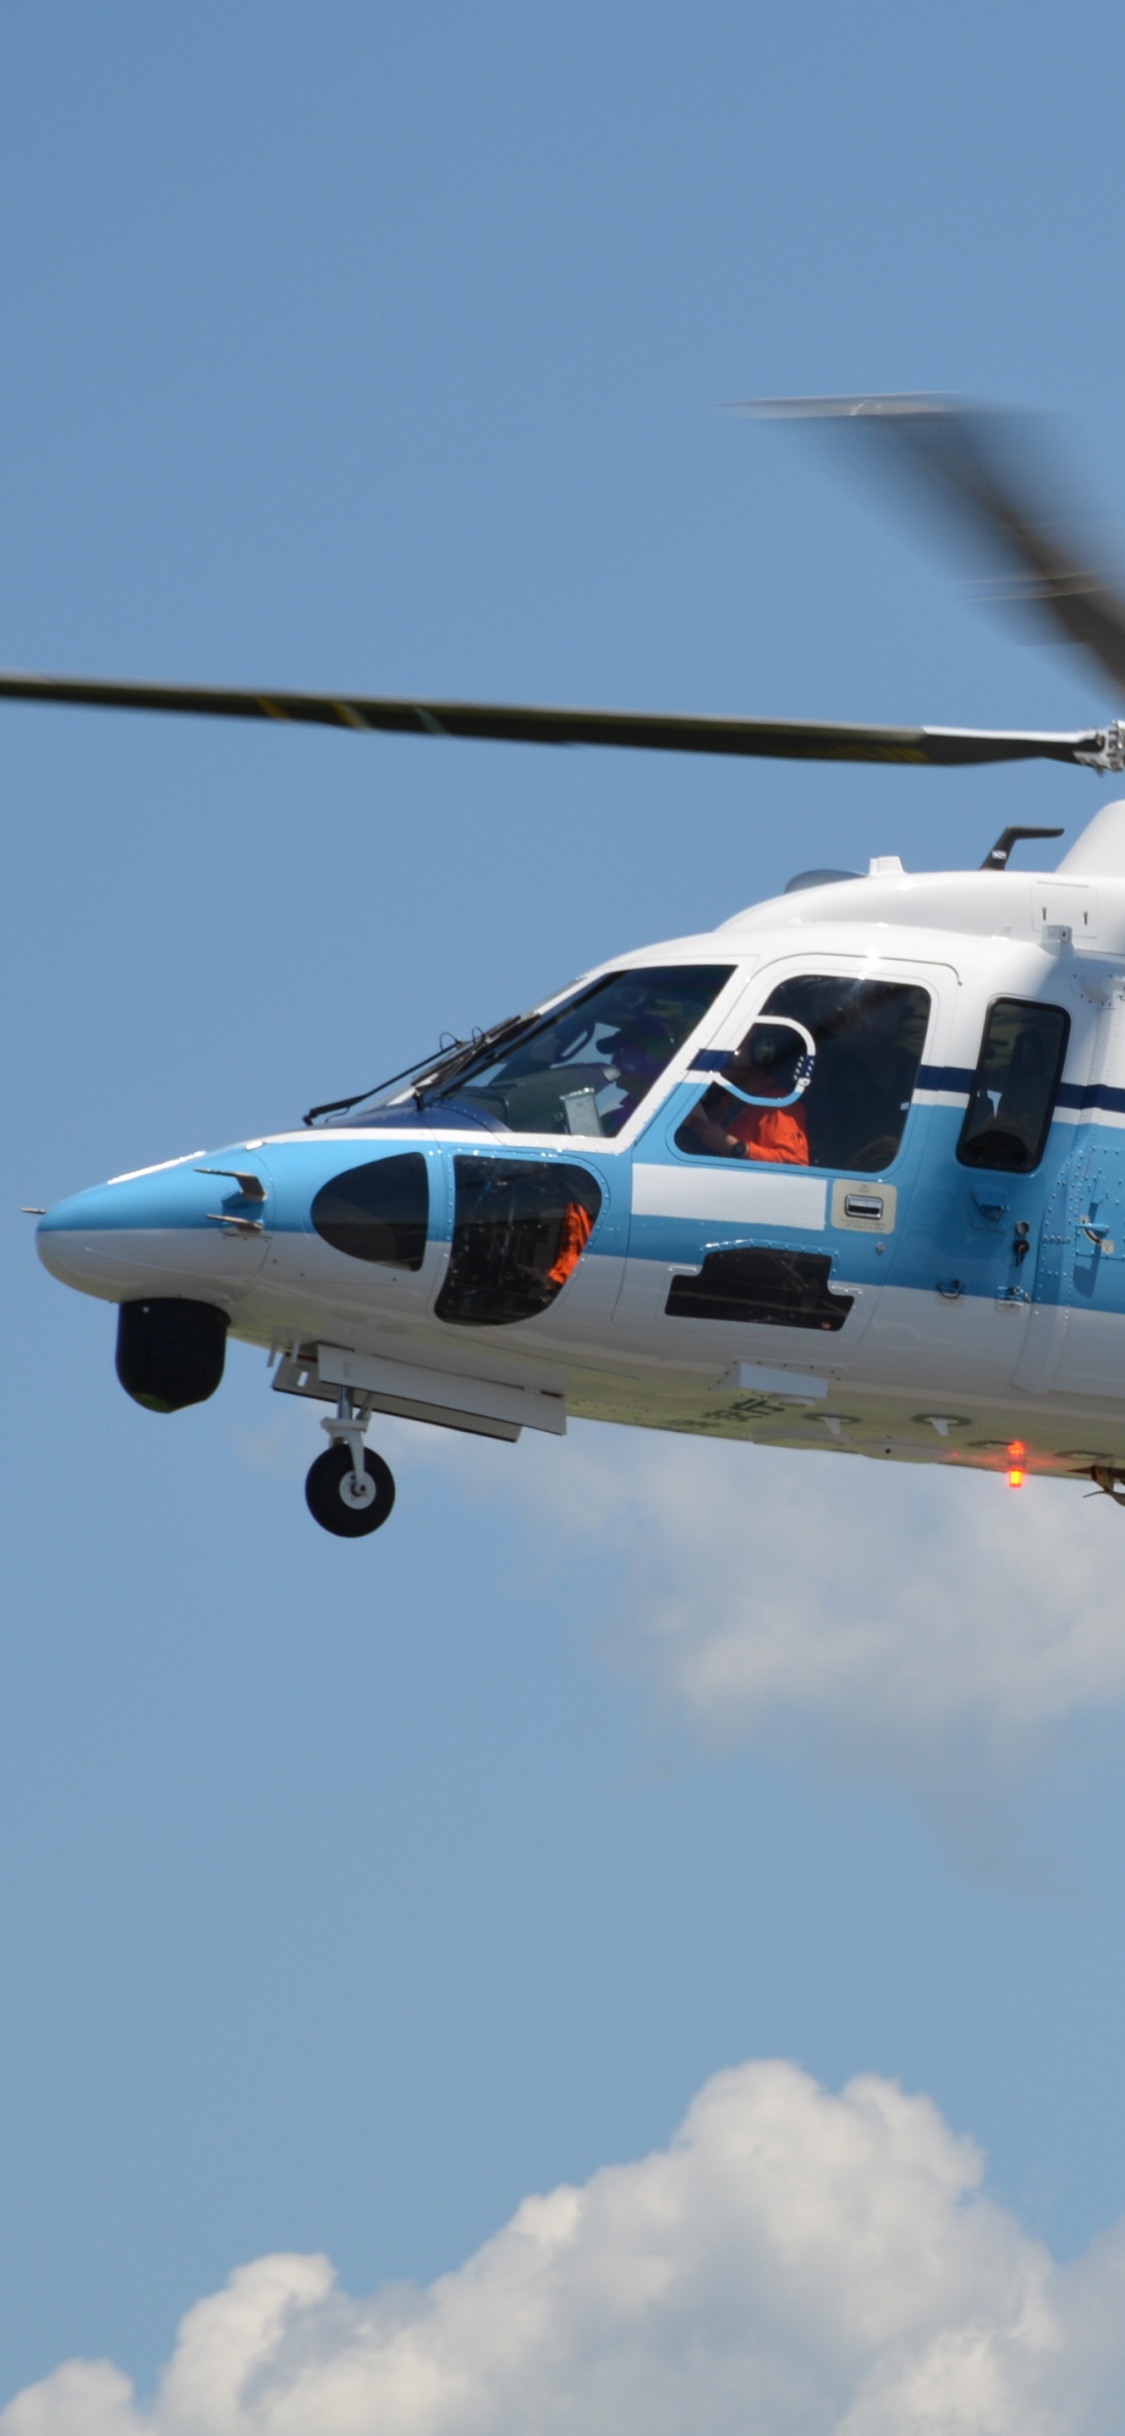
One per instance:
(326,1494)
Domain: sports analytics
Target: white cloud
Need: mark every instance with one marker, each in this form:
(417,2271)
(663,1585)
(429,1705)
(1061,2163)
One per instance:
(925,1593)
(883,1601)
(918,1624)
(794,2262)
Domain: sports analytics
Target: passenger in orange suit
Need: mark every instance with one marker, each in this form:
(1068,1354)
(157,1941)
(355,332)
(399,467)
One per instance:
(769,1133)
(577,1228)
(725,1128)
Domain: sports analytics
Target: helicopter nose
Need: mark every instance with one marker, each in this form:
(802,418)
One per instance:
(82,1241)
(169,1230)
(106,1241)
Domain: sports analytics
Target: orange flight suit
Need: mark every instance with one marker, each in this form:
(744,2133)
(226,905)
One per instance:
(577,1227)
(771,1133)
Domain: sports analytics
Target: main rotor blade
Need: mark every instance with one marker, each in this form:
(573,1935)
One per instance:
(980,461)
(647,731)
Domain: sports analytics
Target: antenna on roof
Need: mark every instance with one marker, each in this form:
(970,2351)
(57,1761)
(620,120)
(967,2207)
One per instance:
(997,857)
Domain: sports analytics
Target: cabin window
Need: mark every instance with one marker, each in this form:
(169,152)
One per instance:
(585,1067)
(520,1228)
(1015,1086)
(844,1105)
(378,1212)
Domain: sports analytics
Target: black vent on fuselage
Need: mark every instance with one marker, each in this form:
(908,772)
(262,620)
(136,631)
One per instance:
(774,1289)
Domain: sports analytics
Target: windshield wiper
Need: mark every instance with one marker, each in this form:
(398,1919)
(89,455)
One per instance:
(339,1107)
(469,1053)
(463,1053)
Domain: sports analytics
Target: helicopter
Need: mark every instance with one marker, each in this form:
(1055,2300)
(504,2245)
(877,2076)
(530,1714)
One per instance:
(846,1172)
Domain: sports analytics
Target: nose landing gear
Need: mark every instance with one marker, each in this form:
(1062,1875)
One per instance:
(349,1491)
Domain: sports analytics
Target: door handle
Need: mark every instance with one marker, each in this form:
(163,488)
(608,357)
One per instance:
(1099,1236)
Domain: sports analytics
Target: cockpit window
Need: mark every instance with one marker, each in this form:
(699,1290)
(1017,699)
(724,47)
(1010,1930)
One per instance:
(1013,1094)
(587,1065)
(827,1083)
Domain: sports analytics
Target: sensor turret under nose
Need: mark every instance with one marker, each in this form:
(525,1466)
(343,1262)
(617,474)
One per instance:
(170,1352)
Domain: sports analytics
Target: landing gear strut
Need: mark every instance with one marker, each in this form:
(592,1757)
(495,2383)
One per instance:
(349,1491)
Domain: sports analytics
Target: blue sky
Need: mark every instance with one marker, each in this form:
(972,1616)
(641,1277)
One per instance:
(349,1896)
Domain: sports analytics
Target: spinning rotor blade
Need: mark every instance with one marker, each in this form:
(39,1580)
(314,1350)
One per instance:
(647,731)
(979,461)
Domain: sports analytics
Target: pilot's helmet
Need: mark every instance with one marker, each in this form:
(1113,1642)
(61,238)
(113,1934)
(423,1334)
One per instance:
(776,1050)
(645,1040)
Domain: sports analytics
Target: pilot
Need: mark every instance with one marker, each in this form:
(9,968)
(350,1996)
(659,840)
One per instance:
(639,1054)
(725,1128)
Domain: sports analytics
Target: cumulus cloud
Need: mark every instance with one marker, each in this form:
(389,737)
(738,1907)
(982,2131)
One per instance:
(771,1578)
(919,1625)
(796,2262)
(891,1606)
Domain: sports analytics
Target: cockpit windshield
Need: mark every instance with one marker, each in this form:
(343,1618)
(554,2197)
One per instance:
(585,1066)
